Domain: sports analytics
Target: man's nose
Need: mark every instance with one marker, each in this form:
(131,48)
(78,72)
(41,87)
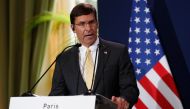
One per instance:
(87,26)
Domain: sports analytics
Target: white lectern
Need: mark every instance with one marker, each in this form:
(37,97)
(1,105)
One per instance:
(62,102)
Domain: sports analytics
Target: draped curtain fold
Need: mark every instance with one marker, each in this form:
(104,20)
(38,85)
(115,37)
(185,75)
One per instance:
(21,52)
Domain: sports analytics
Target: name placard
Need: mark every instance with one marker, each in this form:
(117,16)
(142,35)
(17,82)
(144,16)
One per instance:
(53,102)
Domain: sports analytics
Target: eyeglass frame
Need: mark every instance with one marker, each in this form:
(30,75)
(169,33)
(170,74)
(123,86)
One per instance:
(84,24)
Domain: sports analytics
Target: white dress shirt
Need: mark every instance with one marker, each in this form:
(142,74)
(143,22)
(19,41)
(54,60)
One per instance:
(82,57)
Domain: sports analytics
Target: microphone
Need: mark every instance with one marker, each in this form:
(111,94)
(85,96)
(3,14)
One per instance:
(29,92)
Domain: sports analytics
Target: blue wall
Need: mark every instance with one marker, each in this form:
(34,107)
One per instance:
(180,17)
(171,18)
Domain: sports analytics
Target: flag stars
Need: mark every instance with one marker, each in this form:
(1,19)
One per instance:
(155,32)
(130,39)
(138,71)
(146,10)
(157,52)
(147,30)
(147,41)
(147,61)
(138,61)
(147,51)
(137,1)
(137,40)
(138,50)
(145,1)
(147,20)
(137,19)
(137,30)
(130,50)
(137,9)
(156,41)
(130,30)
(144,44)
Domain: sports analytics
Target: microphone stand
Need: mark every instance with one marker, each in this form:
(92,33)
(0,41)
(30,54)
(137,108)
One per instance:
(29,92)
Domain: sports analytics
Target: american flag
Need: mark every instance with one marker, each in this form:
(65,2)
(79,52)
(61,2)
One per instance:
(154,78)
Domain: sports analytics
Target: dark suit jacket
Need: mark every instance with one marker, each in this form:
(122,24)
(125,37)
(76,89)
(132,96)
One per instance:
(114,74)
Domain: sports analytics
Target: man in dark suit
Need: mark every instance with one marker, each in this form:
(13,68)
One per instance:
(112,71)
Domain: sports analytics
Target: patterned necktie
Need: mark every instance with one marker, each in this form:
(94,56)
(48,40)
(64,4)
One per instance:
(88,68)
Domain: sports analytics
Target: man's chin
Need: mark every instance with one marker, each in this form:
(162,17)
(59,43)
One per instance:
(89,43)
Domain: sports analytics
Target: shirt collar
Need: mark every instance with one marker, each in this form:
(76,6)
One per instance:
(93,47)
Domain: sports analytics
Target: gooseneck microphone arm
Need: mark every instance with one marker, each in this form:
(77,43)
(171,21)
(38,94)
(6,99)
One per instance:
(29,92)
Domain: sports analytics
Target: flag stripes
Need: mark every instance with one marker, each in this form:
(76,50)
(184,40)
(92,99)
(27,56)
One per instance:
(166,77)
(155,94)
(163,88)
(168,99)
(146,99)
(140,105)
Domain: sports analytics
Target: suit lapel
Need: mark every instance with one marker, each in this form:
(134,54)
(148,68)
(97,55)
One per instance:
(102,59)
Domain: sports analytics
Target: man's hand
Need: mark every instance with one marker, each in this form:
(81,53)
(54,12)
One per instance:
(121,102)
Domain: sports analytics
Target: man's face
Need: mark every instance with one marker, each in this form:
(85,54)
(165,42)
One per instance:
(85,27)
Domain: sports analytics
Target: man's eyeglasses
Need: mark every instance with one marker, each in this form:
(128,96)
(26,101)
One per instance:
(84,24)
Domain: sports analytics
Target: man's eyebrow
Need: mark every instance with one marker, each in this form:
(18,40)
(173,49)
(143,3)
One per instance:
(88,20)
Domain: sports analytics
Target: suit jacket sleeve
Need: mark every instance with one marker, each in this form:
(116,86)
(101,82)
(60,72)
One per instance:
(127,80)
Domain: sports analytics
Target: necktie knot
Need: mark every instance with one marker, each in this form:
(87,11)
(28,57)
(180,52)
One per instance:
(88,52)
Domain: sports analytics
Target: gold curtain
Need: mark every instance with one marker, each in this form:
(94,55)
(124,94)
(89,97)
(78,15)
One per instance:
(21,53)
(60,36)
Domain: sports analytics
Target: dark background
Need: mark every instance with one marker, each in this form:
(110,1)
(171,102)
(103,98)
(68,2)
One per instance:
(172,21)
